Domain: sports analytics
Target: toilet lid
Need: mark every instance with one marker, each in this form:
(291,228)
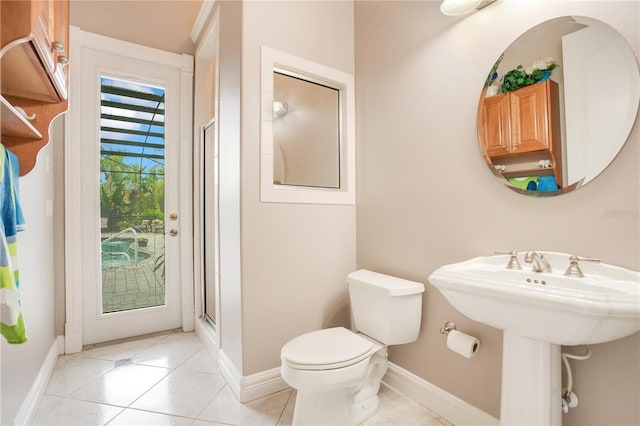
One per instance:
(328,348)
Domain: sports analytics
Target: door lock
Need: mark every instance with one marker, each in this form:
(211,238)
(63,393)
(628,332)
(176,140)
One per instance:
(173,232)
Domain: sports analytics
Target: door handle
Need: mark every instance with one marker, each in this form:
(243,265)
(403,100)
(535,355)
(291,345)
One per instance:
(173,232)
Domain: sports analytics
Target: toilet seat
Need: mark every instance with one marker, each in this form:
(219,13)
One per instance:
(327,349)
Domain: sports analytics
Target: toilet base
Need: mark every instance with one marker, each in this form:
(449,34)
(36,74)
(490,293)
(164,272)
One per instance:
(330,408)
(347,406)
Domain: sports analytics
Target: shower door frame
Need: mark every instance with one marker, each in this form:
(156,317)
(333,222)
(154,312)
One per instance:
(210,244)
(206,115)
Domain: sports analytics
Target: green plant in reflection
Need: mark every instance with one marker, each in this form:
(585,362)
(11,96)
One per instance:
(520,77)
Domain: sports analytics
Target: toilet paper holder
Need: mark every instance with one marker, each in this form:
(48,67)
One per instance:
(448,326)
(461,343)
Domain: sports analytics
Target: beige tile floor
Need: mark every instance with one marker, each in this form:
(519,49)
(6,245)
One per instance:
(171,379)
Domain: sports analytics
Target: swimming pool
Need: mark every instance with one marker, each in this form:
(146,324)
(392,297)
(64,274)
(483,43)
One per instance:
(119,252)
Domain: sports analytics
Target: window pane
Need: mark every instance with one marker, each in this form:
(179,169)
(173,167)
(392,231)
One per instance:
(132,155)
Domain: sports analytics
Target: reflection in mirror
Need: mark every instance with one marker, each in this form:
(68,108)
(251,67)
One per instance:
(548,121)
(306,132)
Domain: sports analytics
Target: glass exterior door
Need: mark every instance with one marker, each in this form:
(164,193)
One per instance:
(130,115)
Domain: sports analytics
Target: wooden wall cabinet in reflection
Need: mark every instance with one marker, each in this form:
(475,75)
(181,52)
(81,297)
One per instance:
(33,59)
(522,127)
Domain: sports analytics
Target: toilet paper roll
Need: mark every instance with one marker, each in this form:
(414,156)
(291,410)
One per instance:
(462,343)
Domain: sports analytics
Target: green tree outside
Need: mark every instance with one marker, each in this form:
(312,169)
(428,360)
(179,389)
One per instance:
(129,193)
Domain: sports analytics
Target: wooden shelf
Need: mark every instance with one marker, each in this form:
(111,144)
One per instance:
(27,148)
(528,172)
(33,44)
(15,124)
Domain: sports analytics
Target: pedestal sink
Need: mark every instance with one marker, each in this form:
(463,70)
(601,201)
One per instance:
(538,312)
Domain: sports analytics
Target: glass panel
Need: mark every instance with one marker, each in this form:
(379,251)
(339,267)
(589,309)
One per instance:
(209,222)
(306,133)
(131,195)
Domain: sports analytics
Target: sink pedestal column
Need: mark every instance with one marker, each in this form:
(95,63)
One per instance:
(531,382)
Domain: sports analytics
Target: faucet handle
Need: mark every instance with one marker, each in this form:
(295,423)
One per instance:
(574,268)
(513,260)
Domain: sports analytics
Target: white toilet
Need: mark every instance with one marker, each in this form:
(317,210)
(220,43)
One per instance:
(337,372)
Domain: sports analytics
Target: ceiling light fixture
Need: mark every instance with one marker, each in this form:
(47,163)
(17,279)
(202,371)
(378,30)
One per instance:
(461,7)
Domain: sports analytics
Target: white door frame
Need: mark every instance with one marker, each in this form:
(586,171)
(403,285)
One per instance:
(208,47)
(72,156)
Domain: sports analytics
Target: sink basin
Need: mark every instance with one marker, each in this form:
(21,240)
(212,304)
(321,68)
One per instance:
(539,311)
(602,306)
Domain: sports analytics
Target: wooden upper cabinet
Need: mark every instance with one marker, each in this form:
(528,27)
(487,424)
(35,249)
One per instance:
(520,122)
(33,59)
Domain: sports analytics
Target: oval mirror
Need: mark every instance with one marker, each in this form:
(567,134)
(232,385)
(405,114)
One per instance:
(558,105)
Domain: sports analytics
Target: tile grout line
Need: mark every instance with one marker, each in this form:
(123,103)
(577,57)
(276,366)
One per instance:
(286,404)
(210,401)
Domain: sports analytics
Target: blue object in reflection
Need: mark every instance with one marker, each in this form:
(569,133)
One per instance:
(523,182)
(546,76)
(547,184)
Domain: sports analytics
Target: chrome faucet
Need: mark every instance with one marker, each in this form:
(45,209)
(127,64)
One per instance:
(540,264)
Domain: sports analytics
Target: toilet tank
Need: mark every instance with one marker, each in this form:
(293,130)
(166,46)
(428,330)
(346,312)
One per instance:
(385,308)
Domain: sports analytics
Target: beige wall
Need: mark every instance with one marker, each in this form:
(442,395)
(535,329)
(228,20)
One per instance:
(231,290)
(20,364)
(295,257)
(426,197)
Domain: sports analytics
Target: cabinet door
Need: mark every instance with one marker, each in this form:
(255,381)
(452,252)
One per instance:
(529,119)
(43,21)
(60,34)
(33,69)
(495,128)
(50,39)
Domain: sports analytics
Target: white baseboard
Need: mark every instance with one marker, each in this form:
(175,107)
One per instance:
(60,342)
(441,402)
(207,336)
(230,372)
(248,388)
(72,337)
(261,384)
(245,388)
(34,396)
(444,404)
